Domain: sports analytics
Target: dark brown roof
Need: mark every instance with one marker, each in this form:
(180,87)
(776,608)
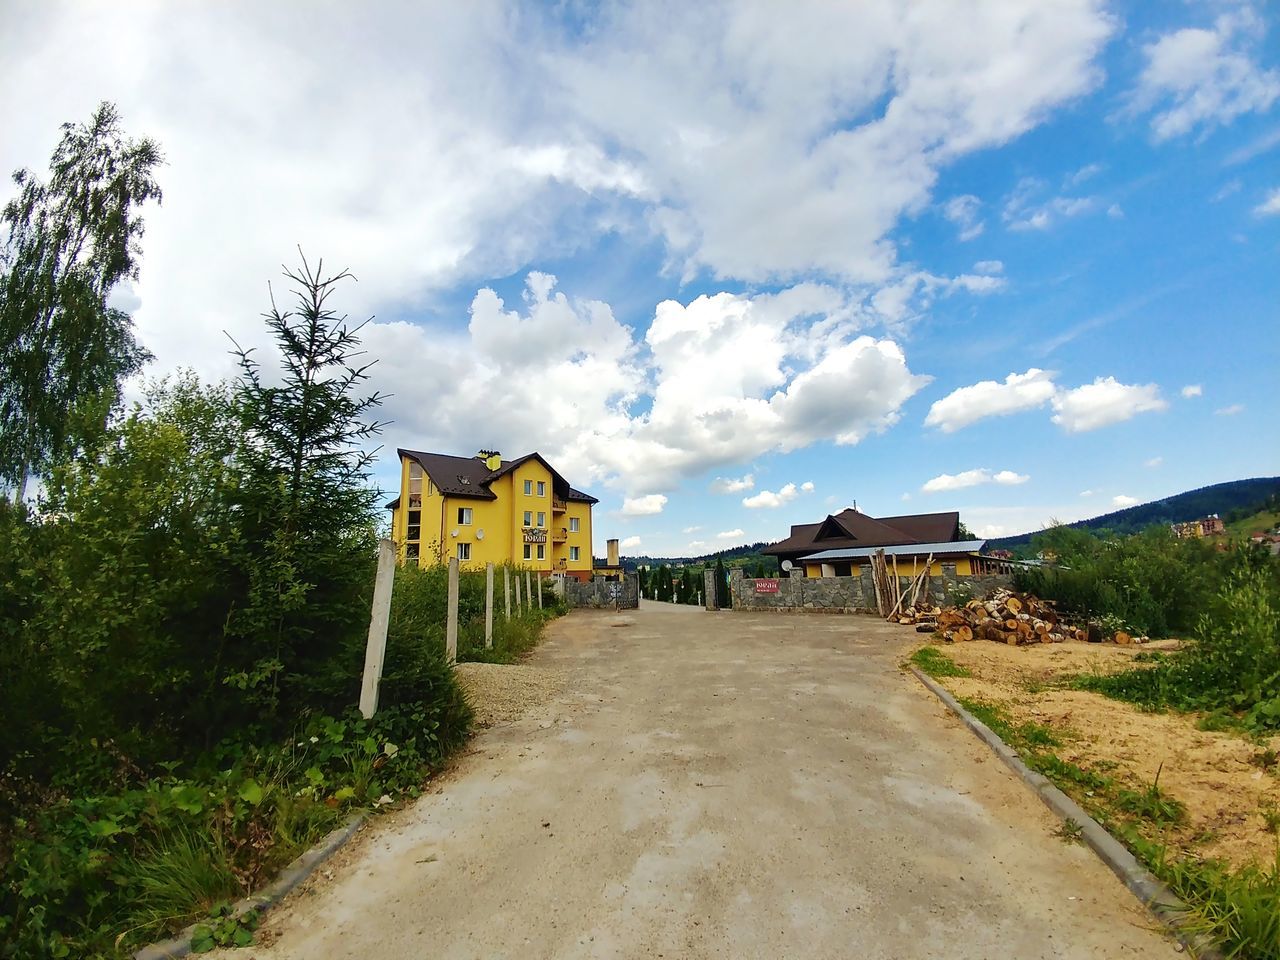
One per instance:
(393,504)
(851,529)
(471,476)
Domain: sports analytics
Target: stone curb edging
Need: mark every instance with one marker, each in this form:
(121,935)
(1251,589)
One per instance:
(1155,896)
(290,877)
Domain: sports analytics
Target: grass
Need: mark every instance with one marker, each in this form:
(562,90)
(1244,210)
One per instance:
(1237,908)
(937,664)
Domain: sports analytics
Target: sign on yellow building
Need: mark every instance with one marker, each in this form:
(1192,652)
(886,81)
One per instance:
(484,509)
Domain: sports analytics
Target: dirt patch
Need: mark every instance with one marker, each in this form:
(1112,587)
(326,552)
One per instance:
(500,693)
(1215,774)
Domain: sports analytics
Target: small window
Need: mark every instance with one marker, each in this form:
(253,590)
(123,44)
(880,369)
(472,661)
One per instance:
(464,551)
(411,551)
(573,524)
(542,552)
(542,488)
(528,552)
(528,518)
(414,532)
(464,516)
(528,488)
(542,519)
(574,553)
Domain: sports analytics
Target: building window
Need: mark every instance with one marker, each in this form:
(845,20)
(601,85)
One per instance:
(573,524)
(528,552)
(542,552)
(542,488)
(464,516)
(464,551)
(574,553)
(413,530)
(528,518)
(542,519)
(415,485)
(411,551)
(528,488)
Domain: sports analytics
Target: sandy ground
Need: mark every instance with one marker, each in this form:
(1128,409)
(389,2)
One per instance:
(500,693)
(719,785)
(1213,773)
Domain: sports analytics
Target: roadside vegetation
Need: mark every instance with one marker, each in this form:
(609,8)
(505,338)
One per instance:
(185,592)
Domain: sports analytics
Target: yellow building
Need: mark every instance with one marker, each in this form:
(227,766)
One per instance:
(907,559)
(484,509)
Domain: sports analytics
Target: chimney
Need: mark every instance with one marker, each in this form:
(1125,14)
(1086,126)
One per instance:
(492,458)
(612,546)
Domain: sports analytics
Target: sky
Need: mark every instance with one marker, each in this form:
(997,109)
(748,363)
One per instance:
(729,267)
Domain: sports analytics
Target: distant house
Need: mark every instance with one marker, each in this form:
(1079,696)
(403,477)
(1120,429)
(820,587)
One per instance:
(839,545)
(1193,529)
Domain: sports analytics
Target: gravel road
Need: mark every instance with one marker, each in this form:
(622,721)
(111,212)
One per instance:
(719,785)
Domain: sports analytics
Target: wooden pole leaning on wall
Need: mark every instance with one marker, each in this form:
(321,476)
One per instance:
(506,591)
(380,616)
(451,624)
(488,606)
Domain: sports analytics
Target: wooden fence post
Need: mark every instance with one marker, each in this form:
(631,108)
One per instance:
(488,606)
(528,591)
(379,617)
(451,627)
(517,594)
(506,591)
(538,577)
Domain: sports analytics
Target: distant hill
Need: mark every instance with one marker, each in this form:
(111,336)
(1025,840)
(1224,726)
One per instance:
(747,551)
(1221,498)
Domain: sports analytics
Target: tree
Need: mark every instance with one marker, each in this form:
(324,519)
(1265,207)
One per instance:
(307,505)
(723,599)
(963,532)
(68,242)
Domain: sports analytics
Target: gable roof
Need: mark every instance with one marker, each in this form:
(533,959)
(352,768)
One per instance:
(850,529)
(945,549)
(470,476)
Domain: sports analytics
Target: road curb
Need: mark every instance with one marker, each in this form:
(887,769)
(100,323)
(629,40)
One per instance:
(1155,896)
(289,878)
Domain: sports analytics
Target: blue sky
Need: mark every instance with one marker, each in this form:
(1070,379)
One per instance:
(730,270)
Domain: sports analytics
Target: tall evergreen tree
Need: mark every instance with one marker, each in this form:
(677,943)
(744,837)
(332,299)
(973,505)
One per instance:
(723,599)
(67,243)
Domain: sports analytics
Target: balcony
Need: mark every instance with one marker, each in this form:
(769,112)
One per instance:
(558,505)
(560,536)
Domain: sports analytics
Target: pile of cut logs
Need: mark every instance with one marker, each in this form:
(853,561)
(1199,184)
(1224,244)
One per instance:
(1006,617)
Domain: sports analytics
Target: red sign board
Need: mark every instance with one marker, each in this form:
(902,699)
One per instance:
(766,586)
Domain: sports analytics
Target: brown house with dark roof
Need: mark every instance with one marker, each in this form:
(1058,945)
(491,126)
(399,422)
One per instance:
(851,529)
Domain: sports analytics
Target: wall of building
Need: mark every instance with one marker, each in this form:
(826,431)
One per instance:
(599,592)
(907,566)
(849,594)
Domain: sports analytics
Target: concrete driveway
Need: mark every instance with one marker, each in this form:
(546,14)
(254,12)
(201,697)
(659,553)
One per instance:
(721,785)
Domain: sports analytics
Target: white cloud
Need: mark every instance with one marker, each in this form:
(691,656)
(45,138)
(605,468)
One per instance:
(1026,209)
(1193,390)
(1120,500)
(730,534)
(1087,172)
(1154,462)
(963,212)
(966,405)
(693,529)
(1202,78)
(767,499)
(972,478)
(1104,402)
(644,506)
(989,266)
(1230,411)
(906,496)
(1086,493)
(806,487)
(1270,207)
(630,543)
(732,485)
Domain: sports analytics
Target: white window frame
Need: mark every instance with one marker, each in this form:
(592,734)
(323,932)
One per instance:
(528,552)
(464,516)
(573,525)
(542,488)
(464,552)
(542,551)
(528,488)
(574,553)
(528,518)
(542,519)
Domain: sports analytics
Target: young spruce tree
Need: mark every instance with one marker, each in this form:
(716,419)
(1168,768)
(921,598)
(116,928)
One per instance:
(307,505)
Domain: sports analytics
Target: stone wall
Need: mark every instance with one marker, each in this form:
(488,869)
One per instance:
(600,591)
(847,594)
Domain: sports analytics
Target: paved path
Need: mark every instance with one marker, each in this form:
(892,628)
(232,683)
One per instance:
(721,785)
